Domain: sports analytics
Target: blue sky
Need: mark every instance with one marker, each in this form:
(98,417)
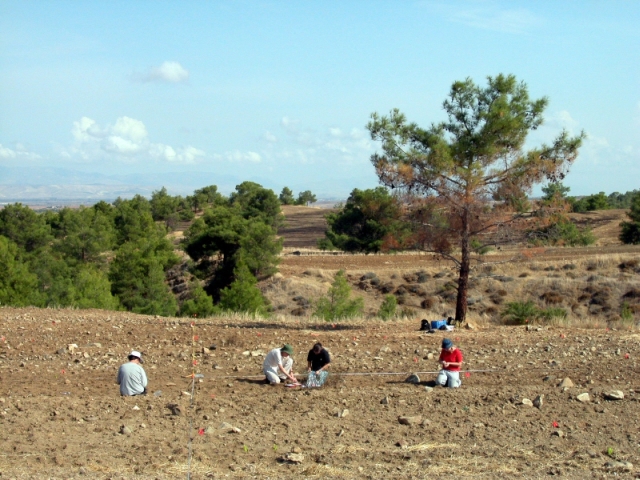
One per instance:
(187,94)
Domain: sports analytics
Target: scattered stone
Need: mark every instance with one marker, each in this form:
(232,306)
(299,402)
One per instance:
(614,395)
(470,325)
(170,384)
(619,465)
(538,401)
(227,427)
(125,430)
(343,413)
(413,378)
(385,401)
(583,397)
(428,389)
(548,378)
(566,383)
(209,430)
(402,444)
(296,458)
(527,403)
(558,433)
(135,407)
(429,356)
(175,409)
(410,420)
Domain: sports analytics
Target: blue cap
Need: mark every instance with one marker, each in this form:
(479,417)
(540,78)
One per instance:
(446,343)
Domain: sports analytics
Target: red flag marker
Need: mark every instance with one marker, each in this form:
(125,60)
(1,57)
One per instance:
(333,325)
(626,355)
(555,425)
(62,371)
(195,338)
(195,362)
(562,335)
(201,431)
(467,374)
(415,359)
(259,334)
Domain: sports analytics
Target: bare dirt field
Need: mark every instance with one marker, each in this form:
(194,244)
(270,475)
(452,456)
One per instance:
(61,415)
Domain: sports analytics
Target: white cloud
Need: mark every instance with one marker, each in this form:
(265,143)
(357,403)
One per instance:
(488,15)
(302,145)
(238,156)
(270,137)
(171,72)
(19,151)
(127,139)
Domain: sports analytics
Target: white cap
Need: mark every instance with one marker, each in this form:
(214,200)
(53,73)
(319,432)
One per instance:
(137,354)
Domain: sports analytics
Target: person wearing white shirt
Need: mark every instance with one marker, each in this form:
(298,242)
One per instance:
(278,365)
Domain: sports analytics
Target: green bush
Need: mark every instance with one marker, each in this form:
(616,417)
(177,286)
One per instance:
(243,295)
(563,232)
(631,230)
(520,312)
(388,307)
(552,313)
(365,222)
(337,305)
(199,305)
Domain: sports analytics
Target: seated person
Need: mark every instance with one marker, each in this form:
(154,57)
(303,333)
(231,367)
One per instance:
(318,360)
(132,377)
(278,365)
(451,361)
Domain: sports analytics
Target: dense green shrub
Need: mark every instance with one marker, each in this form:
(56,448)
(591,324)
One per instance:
(562,232)
(631,230)
(18,286)
(243,294)
(520,313)
(199,305)
(337,305)
(388,307)
(365,221)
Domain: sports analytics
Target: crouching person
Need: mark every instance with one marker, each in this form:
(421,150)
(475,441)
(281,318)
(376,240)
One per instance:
(451,361)
(278,365)
(132,377)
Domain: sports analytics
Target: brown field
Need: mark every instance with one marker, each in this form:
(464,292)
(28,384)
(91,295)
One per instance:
(61,415)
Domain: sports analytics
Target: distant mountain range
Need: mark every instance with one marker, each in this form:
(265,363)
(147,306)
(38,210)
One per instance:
(51,184)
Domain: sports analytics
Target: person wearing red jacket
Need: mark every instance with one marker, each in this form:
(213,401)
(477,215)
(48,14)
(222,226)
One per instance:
(451,361)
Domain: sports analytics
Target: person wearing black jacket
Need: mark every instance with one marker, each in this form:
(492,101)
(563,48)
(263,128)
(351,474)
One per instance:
(318,359)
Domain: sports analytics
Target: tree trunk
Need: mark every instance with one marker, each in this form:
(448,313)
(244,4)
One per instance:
(465,264)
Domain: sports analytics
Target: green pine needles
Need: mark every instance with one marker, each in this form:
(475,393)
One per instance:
(337,305)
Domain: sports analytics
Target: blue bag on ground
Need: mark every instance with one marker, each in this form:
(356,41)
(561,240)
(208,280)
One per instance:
(438,324)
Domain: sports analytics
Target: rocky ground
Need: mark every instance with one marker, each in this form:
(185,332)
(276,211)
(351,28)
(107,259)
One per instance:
(61,415)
